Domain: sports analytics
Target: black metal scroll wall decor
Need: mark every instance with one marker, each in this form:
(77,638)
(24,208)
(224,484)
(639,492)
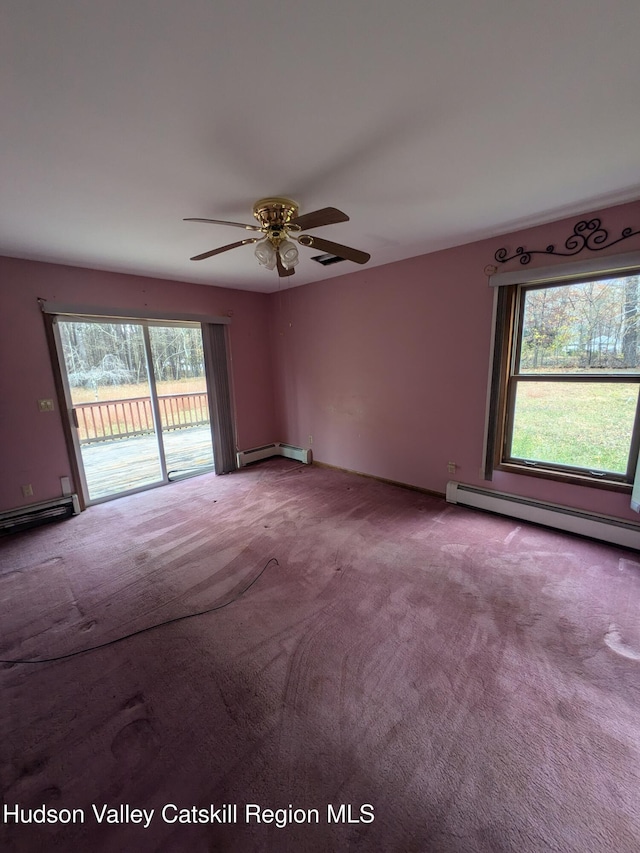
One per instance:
(587,234)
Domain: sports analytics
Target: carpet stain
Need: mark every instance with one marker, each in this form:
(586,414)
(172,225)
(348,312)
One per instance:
(628,565)
(613,638)
(513,533)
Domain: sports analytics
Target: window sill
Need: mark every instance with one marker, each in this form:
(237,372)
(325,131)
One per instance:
(564,477)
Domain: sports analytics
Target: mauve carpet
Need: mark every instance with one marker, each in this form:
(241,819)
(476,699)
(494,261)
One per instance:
(474,680)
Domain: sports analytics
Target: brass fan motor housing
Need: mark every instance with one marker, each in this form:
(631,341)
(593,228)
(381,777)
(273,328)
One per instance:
(274,216)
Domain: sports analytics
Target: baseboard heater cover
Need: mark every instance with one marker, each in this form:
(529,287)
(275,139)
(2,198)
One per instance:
(34,515)
(603,527)
(301,454)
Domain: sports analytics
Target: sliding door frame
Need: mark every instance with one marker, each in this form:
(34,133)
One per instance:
(216,374)
(64,407)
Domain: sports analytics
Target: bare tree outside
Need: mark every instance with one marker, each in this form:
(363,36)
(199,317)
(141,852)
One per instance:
(584,326)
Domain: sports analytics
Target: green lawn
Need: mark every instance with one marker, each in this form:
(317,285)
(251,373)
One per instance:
(581,424)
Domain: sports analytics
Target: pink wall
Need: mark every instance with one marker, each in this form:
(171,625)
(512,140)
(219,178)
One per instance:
(33,448)
(387,367)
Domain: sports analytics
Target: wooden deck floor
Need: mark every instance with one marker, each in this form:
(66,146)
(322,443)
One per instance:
(129,463)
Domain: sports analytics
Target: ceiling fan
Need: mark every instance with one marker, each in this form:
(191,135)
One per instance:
(281,226)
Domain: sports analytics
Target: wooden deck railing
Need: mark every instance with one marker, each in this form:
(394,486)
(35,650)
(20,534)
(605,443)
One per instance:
(134,416)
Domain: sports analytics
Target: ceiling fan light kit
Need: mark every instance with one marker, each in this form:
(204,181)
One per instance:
(281,224)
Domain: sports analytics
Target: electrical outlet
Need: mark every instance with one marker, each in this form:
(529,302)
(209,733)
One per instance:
(27,491)
(451,467)
(310,440)
(45,405)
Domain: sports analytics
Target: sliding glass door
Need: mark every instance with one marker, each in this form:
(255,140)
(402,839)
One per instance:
(178,365)
(137,391)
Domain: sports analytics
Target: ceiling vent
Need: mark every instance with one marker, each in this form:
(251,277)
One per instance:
(327,260)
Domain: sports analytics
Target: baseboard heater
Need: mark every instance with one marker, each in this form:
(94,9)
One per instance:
(603,527)
(36,514)
(245,457)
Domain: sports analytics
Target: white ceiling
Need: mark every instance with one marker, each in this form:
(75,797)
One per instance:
(430,123)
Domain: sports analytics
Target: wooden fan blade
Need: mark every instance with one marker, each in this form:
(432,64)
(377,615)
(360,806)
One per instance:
(224,222)
(337,249)
(283,272)
(213,252)
(325,216)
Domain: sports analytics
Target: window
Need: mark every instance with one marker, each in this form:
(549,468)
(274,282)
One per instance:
(566,389)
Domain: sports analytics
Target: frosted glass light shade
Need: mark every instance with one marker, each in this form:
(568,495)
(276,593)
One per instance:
(266,254)
(288,254)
